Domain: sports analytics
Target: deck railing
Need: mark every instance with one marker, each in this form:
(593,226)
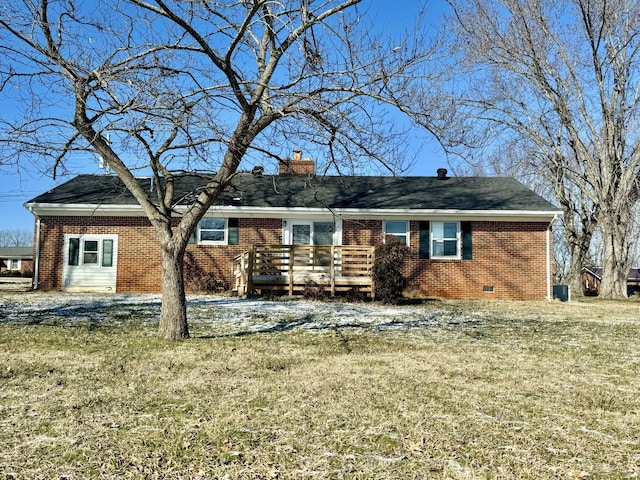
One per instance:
(291,268)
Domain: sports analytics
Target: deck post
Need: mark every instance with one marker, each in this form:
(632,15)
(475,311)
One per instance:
(249,270)
(332,270)
(291,257)
(234,280)
(372,259)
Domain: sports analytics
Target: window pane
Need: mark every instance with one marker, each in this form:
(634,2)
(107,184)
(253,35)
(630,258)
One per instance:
(396,227)
(212,230)
(437,229)
(450,248)
(323,233)
(400,238)
(212,224)
(90,256)
(212,235)
(107,253)
(450,230)
(301,234)
(438,248)
(74,251)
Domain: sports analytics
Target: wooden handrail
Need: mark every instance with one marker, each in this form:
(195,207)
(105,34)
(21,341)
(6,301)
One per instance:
(288,266)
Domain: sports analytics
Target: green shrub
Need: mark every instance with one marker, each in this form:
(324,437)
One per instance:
(388,278)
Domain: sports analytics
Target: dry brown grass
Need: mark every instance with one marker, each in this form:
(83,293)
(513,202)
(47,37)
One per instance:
(496,390)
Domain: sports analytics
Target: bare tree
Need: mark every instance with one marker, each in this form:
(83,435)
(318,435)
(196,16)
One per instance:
(561,78)
(16,238)
(173,85)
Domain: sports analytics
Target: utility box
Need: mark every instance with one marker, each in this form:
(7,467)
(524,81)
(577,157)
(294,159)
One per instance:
(562,293)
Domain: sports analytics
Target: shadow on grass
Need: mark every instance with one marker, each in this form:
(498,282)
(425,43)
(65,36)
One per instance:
(319,322)
(91,314)
(224,317)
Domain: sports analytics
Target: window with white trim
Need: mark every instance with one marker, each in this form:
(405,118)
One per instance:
(445,240)
(91,251)
(14,264)
(398,229)
(213,230)
(216,231)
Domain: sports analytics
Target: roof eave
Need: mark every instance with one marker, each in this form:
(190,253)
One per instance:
(83,210)
(57,209)
(407,213)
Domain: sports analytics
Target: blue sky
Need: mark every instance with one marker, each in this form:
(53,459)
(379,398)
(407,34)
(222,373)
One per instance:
(20,185)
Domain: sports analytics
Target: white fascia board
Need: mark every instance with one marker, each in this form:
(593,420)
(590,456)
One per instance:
(482,215)
(52,209)
(384,214)
(84,210)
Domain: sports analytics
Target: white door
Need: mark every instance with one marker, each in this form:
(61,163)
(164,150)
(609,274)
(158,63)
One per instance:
(321,233)
(298,232)
(90,263)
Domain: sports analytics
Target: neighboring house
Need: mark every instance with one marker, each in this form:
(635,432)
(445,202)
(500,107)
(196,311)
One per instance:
(16,259)
(470,237)
(592,277)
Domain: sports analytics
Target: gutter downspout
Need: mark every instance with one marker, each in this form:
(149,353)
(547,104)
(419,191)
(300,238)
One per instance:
(36,263)
(549,266)
(36,260)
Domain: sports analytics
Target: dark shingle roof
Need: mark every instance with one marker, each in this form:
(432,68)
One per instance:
(358,192)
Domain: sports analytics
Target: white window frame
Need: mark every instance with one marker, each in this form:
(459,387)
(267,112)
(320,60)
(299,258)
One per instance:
(225,231)
(433,238)
(399,236)
(14,264)
(82,239)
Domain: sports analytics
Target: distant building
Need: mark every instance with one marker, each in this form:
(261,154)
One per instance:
(16,259)
(592,278)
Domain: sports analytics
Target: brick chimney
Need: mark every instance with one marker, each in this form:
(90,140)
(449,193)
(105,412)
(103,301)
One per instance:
(297,165)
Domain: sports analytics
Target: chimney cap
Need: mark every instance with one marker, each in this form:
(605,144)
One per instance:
(442,173)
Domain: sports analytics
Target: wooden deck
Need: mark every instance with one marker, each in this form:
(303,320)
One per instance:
(292,268)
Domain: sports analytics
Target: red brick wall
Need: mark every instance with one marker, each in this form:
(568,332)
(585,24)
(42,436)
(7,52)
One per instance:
(139,259)
(510,257)
(203,260)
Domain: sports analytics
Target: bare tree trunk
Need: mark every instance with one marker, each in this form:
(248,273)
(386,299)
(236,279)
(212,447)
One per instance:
(173,314)
(617,258)
(579,242)
(575,272)
(579,226)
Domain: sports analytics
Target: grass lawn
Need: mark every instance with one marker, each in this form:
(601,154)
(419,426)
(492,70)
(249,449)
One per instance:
(487,390)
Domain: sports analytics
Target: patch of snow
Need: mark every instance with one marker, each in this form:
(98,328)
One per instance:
(218,315)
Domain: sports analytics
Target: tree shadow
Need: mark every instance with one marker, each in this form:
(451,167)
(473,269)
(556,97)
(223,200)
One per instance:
(319,322)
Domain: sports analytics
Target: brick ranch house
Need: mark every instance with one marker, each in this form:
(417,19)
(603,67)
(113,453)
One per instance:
(470,237)
(592,278)
(18,260)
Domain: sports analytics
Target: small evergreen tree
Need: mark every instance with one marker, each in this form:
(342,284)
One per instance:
(388,279)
